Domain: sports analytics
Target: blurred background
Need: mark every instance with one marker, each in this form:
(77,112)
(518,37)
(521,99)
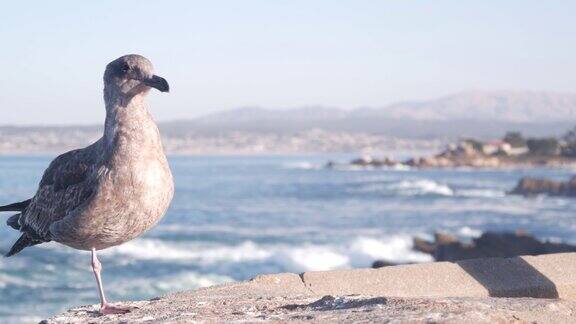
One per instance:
(303,135)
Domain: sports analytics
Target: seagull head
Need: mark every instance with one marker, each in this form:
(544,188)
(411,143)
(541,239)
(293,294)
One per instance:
(132,75)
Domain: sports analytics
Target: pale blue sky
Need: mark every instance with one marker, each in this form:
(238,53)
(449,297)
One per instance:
(278,54)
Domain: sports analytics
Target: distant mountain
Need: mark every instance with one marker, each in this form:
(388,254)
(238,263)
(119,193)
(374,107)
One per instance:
(473,113)
(483,114)
(521,107)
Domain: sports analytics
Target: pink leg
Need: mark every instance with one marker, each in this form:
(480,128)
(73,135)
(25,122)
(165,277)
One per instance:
(105,307)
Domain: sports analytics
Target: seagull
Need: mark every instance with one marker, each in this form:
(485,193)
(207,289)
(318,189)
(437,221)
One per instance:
(111,191)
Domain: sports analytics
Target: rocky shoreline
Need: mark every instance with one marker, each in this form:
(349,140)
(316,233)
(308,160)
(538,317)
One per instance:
(448,161)
(475,154)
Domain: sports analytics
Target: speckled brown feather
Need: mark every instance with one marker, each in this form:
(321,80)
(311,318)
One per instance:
(115,189)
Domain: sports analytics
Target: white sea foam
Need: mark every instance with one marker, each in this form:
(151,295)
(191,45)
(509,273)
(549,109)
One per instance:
(311,258)
(6,280)
(469,232)
(481,193)
(401,167)
(159,250)
(160,285)
(405,188)
(302,165)
(358,252)
(429,187)
(394,249)
(422,187)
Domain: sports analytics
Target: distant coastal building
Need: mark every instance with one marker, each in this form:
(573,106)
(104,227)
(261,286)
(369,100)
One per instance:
(495,146)
(492,147)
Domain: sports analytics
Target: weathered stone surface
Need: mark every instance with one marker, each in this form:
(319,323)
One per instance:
(330,309)
(282,283)
(433,292)
(401,281)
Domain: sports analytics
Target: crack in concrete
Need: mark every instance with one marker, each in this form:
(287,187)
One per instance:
(301,276)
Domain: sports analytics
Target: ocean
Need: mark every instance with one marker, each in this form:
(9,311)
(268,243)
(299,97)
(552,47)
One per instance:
(235,217)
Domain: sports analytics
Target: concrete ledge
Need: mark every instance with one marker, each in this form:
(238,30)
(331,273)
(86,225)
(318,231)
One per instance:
(545,276)
(453,292)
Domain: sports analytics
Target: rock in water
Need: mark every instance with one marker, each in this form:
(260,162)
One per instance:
(528,186)
(490,244)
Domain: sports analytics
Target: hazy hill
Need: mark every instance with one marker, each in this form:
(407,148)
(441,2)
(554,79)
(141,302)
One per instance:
(521,107)
(468,114)
(473,113)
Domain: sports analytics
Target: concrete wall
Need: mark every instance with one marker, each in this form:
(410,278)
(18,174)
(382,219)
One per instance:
(545,276)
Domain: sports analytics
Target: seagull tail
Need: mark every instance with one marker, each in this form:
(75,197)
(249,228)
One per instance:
(18,206)
(14,221)
(23,242)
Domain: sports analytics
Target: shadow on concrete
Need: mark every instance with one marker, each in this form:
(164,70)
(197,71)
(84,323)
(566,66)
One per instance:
(510,277)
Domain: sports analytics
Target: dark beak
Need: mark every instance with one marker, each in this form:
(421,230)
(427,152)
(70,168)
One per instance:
(157,82)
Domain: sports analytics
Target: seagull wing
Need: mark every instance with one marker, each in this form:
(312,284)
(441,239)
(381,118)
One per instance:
(67,184)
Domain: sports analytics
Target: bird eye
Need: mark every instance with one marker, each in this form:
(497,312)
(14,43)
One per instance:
(125,67)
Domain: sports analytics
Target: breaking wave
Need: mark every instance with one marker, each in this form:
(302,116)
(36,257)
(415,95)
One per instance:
(153,249)
(161,285)
(303,165)
(469,232)
(426,187)
(352,167)
(481,193)
(358,252)
(422,187)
